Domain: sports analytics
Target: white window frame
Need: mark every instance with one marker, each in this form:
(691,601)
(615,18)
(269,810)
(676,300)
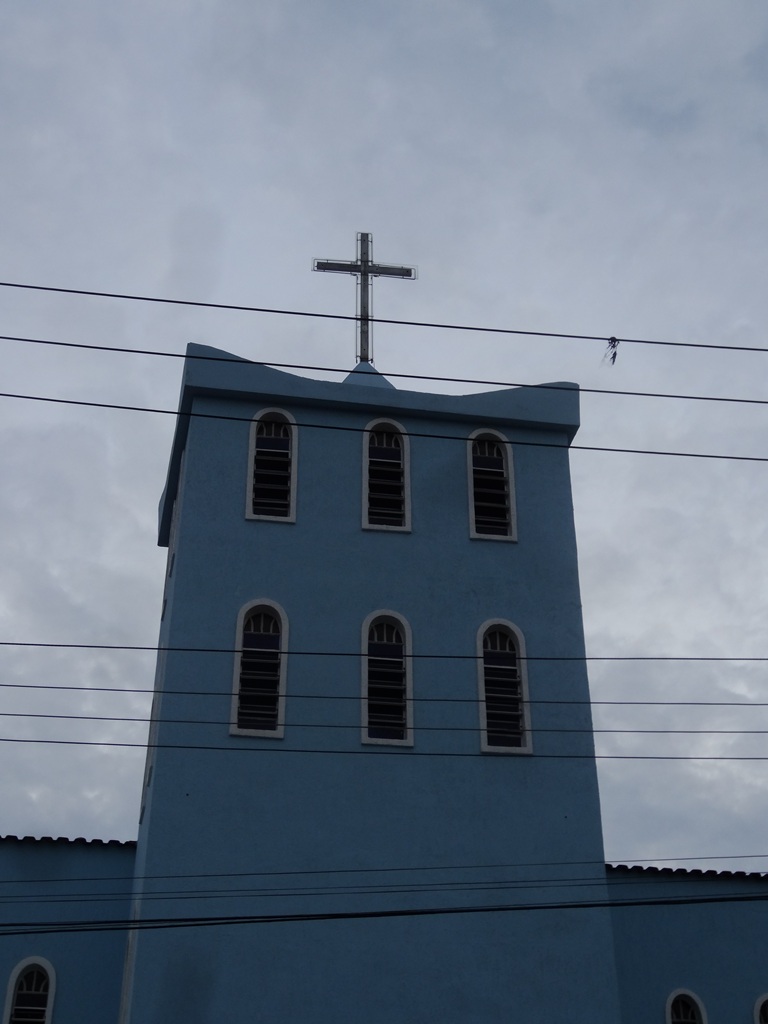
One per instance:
(381,423)
(245,611)
(31,961)
(290,422)
(506,448)
(758,1004)
(690,995)
(485,746)
(387,614)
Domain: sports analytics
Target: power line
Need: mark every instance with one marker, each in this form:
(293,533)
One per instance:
(615,341)
(359,887)
(427,888)
(356,654)
(378,869)
(144,924)
(362,430)
(404,376)
(241,895)
(129,690)
(372,751)
(356,726)
(350,889)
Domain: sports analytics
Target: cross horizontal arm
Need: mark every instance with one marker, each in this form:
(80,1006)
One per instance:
(373,269)
(338,266)
(387,270)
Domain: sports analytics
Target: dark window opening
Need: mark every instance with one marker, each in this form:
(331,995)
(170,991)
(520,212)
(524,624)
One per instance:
(259,694)
(490,488)
(30,999)
(684,1011)
(386,479)
(272,469)
(505,725)
(763,1017)
(386,683)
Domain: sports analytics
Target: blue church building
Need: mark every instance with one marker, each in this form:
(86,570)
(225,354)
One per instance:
(371,792)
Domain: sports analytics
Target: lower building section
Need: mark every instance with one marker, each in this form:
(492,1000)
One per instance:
(633,945)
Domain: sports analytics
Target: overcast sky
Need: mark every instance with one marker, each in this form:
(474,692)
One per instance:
(592,168)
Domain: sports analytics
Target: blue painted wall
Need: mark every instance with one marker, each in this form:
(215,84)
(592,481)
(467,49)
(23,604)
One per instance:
(316,822)
(48,886)
(700,931)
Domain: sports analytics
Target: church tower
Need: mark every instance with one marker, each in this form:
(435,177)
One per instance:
(371,789)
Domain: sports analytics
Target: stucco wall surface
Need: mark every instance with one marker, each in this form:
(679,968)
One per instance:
(47,885)
(702,932)
(319,823)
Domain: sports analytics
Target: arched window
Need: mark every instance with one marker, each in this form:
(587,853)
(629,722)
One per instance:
(387,704)
(761,1010)
(272,491)
(504,713)
(491,497)
(30,993)
(260,671)
(386,491)
(685,1008)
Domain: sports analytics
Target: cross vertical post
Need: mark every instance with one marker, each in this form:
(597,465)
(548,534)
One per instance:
(365,269)
(364,285)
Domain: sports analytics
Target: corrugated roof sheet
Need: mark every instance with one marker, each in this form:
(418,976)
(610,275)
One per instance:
(62,839)
(640,869)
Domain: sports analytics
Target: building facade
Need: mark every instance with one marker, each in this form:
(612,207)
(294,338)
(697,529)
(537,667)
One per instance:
(371,787)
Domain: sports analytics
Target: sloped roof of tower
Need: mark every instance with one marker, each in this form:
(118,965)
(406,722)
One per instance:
(213,373)
(366,373)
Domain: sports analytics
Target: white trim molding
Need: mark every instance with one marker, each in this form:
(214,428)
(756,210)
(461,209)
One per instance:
(278,416)
(511,630)
(484,434)
(265,604)
(760,1003)
(688,995)
(385,615)
(18,970)
(393,427)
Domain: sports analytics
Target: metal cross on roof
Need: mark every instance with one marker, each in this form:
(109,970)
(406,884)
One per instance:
(365,269)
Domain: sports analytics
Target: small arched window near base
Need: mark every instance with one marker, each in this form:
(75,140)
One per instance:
(386,490)
(684,1008)
(30,993)
(272,488)
(761,1010)
(386,697)
(491,487)
(503,690)
(260,671)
